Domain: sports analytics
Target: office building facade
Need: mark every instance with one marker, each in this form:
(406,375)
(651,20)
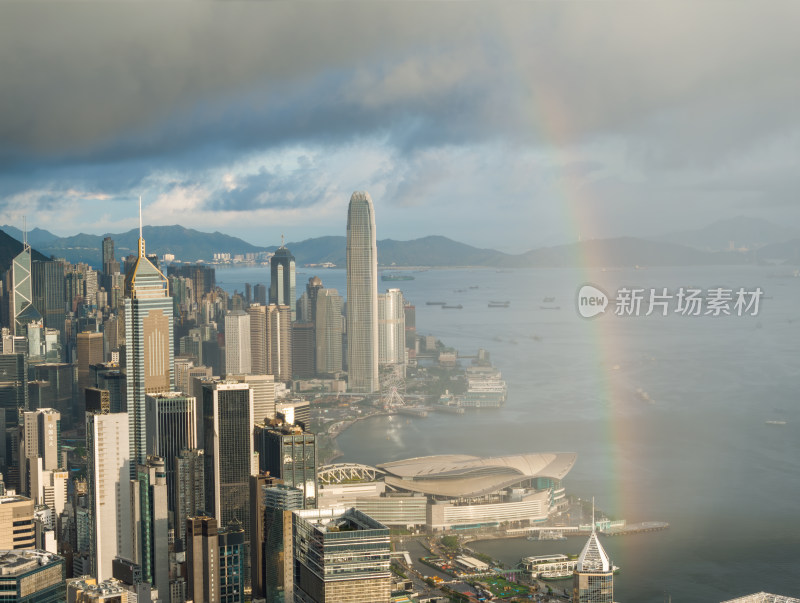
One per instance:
(340,556)
(229,457)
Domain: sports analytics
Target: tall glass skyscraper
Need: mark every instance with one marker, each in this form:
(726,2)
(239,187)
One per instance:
(19,288)
(362,295)
(282,280)
(148,332)
(229,457)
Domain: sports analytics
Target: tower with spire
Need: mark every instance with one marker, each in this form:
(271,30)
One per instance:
(19,285)
(149,342)
(593,580)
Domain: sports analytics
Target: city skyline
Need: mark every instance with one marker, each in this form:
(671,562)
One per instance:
(567,119)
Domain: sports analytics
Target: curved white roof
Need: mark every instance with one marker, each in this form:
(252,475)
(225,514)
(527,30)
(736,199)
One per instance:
(463,475)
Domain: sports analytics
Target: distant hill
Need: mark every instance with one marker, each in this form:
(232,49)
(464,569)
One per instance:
(788,252)
(10,248)
(187,244)
(36,237)
(624,251)
(741,232)
(426,251)
(190,245)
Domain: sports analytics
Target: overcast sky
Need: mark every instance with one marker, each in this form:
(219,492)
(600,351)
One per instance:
(504,125)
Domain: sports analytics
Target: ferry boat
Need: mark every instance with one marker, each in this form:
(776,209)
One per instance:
(499,304)
(446,307)
(775,422)
(435,303)
(396,277)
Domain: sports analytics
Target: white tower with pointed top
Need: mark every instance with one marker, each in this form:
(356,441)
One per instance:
(593,580)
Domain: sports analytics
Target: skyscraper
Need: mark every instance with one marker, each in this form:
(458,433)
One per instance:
(152,536)
(232,558)
(362,295)
(282,279)
(258,339)
(229,457)
(108,471)
(19,288)
(328,331)
(171,428)
(275,564)
(340,555)
(48,294)
(202,559)
(40,450)
(110,263)
(189,489)
(391,327)
(593,580)
(289,453)
(237,343)
(279,342)
(90,352)
(148,332)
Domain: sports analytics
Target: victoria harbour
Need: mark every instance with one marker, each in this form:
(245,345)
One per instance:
(667,415)
(400,302)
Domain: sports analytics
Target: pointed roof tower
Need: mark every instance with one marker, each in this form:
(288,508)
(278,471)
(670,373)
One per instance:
(144,280)
(593,557)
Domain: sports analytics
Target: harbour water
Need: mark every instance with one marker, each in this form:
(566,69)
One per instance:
(667,415)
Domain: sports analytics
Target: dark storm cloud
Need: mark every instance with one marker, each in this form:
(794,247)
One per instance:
(115,99)
(111,83)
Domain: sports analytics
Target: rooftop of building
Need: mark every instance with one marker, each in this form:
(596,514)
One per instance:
(340,519)
(19,561)
(286,428)
(109,586)
(13,498)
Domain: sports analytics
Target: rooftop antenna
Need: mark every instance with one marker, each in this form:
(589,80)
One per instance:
(282,243)
(593,524)
(141,238)
(25,232)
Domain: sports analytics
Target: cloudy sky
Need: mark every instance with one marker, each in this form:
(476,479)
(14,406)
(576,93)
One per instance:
(505,125)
